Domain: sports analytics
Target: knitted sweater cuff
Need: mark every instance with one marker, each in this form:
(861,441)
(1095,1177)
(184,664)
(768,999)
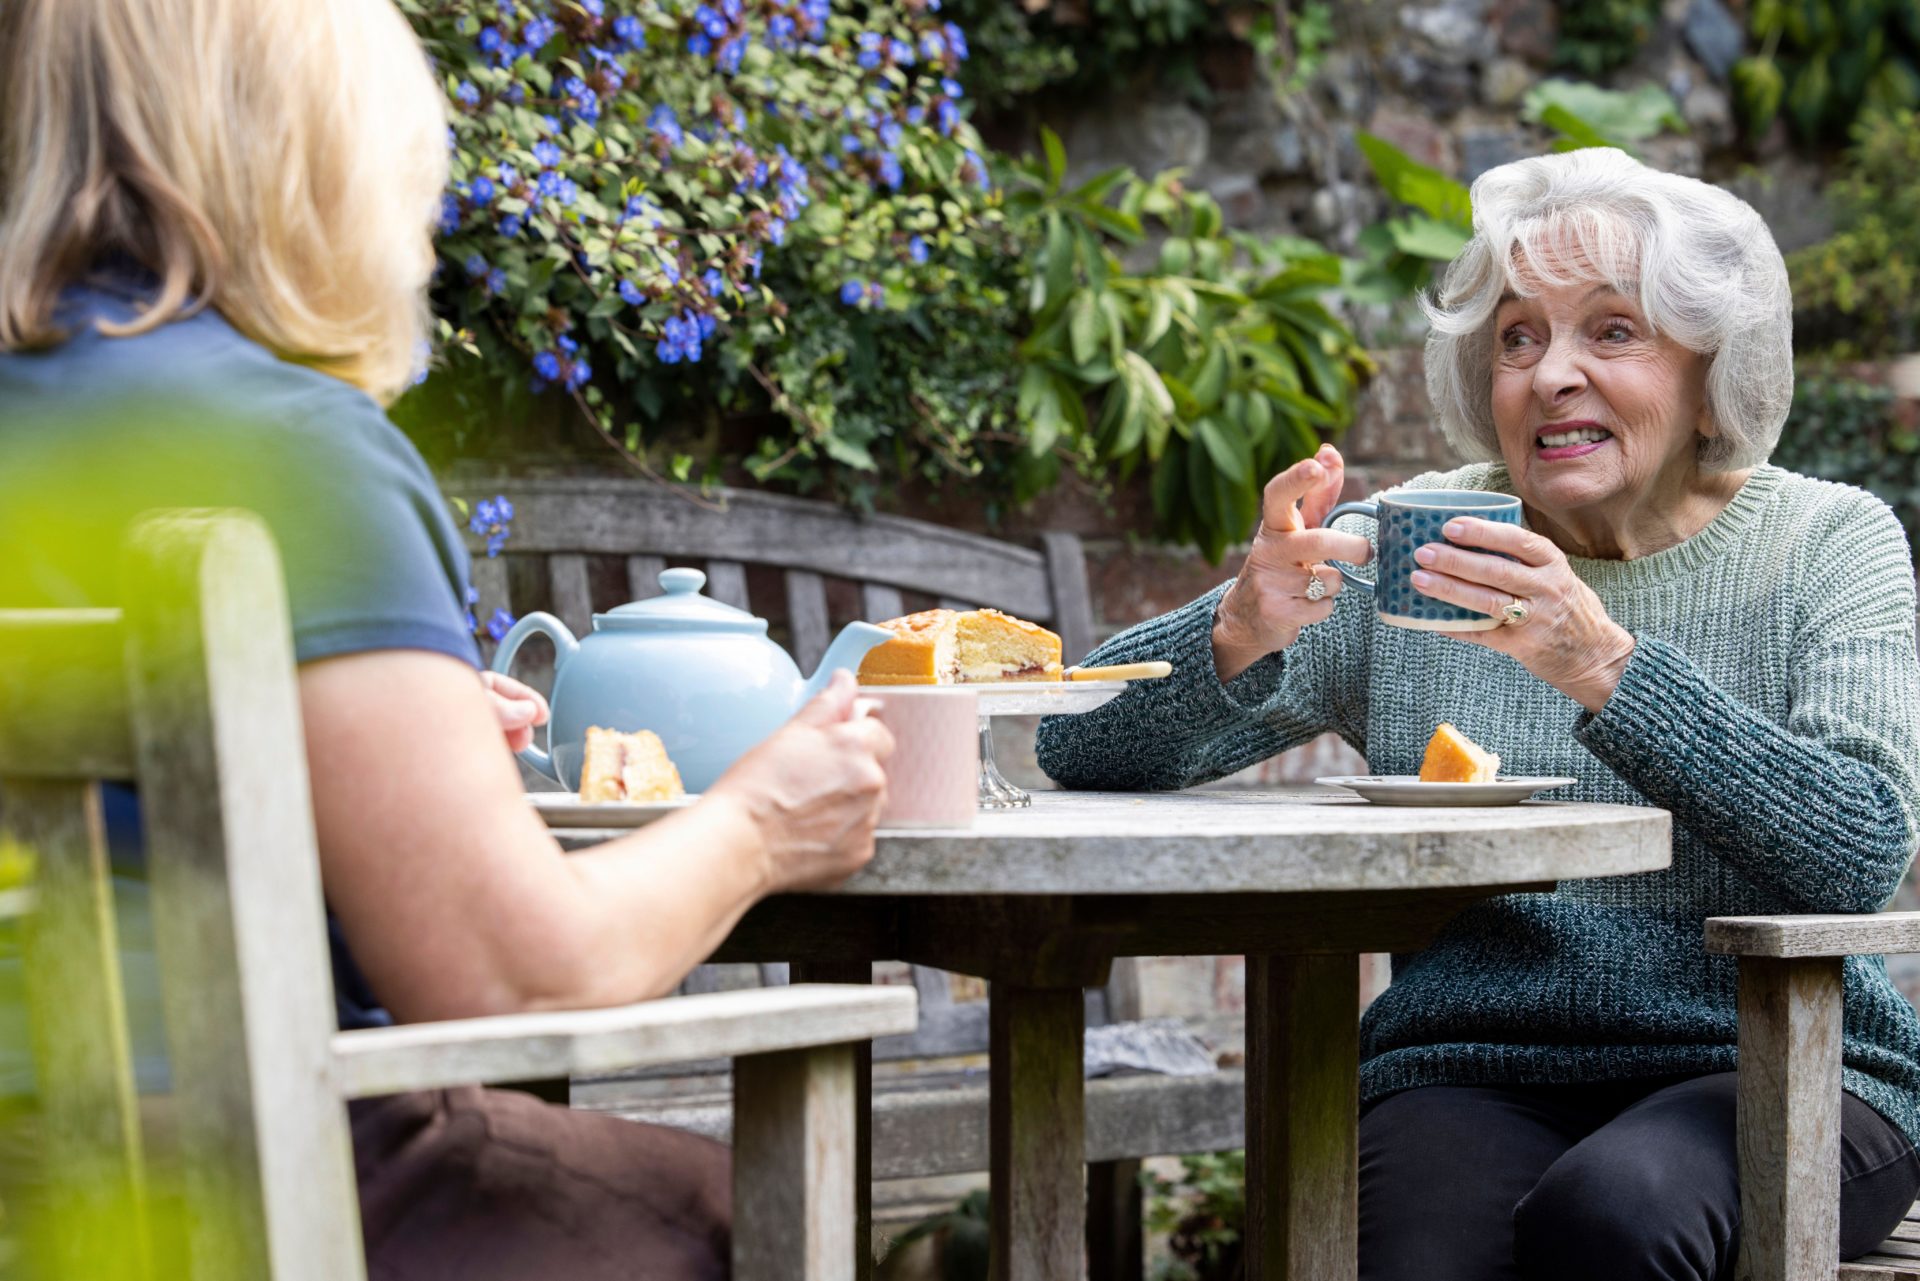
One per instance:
(1185,638)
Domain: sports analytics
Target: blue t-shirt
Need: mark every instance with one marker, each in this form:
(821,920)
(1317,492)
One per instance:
(99,429)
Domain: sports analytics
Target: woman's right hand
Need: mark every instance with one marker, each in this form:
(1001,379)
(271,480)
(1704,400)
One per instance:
(1267,605)
(814,789)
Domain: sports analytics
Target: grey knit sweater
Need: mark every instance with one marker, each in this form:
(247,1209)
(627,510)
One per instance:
(1772,705)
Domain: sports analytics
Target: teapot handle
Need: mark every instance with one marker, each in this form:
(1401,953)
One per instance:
(564,646)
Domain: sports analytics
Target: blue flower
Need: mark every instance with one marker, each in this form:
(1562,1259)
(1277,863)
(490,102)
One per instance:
(876,296)
(901,52)
(679,341)
(538,32)
(499,624)
(733,9)
(854,292)
(476,265)
(491,41)
(548,184)
(468,96)
(547,365)
(566,344)
(641,207)
(714,283)
(951,87)
(550,124)
(780,31)
(933,46)
(546,153)
(890,169)
(946,115)
(509,177)
(594,8)
(916,115)
(664,122)
(706,325)
(510,226)
(630,32)
(669,268)
(580,98)
(480,191)
(449,213)
(869,42)
(517,94)
(728,59)
(710,22)
(849,143)
(917,250)
(497,281)
(578,375)
(975,169)
(503,508)
(777,231)
(956,40)
(631,295)
(890,134)
(699,46)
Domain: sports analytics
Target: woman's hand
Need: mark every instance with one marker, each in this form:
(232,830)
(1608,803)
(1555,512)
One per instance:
(814,790)
(1568,640)
(518,708)
(1267,605)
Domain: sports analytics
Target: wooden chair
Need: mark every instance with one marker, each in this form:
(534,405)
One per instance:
(190,691)
(581,545)
(1790,1012)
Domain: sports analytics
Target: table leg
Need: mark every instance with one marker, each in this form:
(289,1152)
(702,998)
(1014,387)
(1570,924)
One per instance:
(854,972)
(1303,1103)
(1037,1133)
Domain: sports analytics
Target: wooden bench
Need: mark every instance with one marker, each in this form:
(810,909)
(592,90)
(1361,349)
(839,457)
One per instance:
(581,545)
(191,693)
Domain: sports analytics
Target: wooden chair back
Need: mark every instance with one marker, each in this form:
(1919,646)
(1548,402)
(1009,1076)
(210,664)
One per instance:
(187,691)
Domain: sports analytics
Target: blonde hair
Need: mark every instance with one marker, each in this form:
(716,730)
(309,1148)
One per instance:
(1697,260)
(278,160)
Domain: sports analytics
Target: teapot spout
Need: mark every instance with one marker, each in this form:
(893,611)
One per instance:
(848,648)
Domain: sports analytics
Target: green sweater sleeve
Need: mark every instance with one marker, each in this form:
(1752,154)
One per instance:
(1191,727)
(1819,810)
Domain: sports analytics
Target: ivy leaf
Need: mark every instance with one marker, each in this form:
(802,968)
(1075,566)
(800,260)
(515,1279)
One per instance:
(1086,328)
(1056,159)
(1425,237)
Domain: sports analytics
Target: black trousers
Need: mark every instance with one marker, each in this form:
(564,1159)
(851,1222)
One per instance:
(1628,1181)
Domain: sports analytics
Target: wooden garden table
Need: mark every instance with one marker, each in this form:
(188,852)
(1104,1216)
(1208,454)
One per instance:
(1040,901)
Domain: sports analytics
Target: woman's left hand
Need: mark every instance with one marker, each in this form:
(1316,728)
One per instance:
(517,707)
(1567,639)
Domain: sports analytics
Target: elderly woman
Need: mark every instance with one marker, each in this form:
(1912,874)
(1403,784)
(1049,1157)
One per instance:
(1548,1089)
(215,244)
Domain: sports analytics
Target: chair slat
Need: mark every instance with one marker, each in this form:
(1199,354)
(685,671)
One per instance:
(63,697)
(643,576)
(1072,603)
(880,602)
(727,583)
(572,599)
(236,892)
(83,1066)
(490,579)
(807,616)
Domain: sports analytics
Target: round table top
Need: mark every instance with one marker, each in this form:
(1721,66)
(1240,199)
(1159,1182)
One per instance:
(1257,841)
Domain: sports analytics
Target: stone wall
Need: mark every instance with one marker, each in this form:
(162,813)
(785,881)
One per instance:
(1441,79)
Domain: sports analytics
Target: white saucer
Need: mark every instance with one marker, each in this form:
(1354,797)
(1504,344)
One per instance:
(565,809)
(1407,789)
(1043,698)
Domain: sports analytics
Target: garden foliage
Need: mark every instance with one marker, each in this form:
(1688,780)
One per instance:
(1821,63)
(1857,294)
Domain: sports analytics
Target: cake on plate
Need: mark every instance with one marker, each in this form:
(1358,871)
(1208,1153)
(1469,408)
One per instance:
(1452,757)
(962,647)
(628,767)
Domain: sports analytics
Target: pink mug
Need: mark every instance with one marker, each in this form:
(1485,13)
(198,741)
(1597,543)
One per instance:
(933,776)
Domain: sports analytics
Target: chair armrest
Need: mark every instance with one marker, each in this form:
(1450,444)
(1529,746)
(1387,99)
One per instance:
(521,1047)
(1787,937)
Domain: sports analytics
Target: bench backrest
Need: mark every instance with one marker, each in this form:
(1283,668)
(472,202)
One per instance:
(189,691)
(601,542)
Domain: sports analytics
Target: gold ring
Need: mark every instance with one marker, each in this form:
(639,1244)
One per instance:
(1515,613)
(1316,589)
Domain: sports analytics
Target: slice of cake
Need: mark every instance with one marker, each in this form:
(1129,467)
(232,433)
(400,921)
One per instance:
(1452,757)
(962,647)
(628,767)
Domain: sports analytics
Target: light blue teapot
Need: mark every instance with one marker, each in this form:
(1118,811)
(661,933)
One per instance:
(700,674)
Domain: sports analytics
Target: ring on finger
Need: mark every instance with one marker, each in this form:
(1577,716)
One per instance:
(1316,587)
(1514,613)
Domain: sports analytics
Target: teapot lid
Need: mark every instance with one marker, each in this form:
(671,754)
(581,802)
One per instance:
(681,609)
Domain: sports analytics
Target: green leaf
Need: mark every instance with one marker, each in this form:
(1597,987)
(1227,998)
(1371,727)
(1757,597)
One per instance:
(1211,378)
(1059,275)
(1086,327)
(1226,447)
(1424,237)
(1176,256)
(1056,158)
(1096,189)
(1148,379)
(1159,317)
(1412,183)
(1612,117)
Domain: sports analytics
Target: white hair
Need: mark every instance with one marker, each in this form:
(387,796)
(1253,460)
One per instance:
(1697,260)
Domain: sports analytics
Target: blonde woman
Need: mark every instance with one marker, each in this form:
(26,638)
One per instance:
(214,245)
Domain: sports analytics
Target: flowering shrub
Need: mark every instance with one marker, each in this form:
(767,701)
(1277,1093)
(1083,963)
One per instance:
(625,173)
(491,519)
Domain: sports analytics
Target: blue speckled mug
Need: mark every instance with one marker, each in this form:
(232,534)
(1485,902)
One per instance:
(1409,520)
